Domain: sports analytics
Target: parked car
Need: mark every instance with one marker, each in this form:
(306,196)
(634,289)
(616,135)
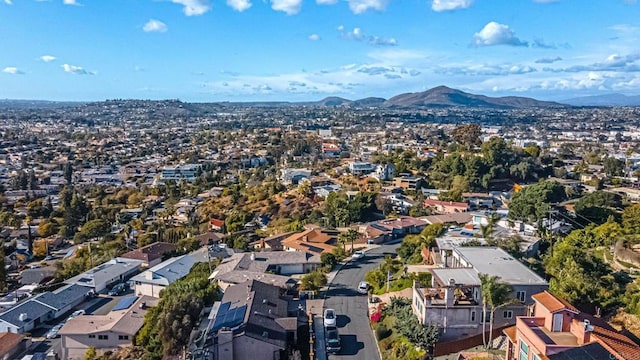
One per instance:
(76,313)
(333,339)
(53,332)
(363,287)
(118,290)
(329,317)
(358,255)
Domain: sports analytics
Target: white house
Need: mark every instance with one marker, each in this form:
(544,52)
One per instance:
(150,282)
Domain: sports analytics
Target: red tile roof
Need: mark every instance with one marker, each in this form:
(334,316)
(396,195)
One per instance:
(620,345)
(553,303)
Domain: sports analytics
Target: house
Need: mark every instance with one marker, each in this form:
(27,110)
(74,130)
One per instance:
(290,176)
(150,255)
(273,267)
(384,172)
(359,168)
(446,207)
(151,281)
(188,172)
(273,243)
(314,241)
(33,312)
(255,321)
(109,332)
(630,194)
(558,331)
(453,300)
(400,203)
(216,225)
(384,230)
(102,276)
(11,345)
(330,150)
(408,182)
(449,219)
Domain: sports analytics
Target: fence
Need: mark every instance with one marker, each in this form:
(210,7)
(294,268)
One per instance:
(454,346)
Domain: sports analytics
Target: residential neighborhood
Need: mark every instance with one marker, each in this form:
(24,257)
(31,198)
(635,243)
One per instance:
(156,230)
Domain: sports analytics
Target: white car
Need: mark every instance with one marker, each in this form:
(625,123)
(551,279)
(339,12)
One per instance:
(53,332)
(357,255)
(329,317)
(363,287)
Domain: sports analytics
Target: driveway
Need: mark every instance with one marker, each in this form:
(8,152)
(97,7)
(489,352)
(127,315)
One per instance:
(351,307)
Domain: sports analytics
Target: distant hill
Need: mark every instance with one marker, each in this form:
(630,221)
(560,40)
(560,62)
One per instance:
(35,104)
(333,101)
(443,96)
(368,102)
(604,100)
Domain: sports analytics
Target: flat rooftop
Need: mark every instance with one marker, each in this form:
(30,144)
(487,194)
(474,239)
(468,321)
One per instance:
(495,261)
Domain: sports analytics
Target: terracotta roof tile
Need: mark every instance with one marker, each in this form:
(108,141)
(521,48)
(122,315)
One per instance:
(622,346)
(553,303)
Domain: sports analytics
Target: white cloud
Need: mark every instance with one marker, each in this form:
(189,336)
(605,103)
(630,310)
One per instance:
(358,35)
(71,2)
(314,37)
(326,2)
(12,70)
(447,5)
(76,70)
(497,34)
(47,58)
(360,6)
(239,5)
(194,7)
(154,25)
(290,7)
(8,2)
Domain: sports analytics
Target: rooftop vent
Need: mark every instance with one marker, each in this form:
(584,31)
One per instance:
(23,316)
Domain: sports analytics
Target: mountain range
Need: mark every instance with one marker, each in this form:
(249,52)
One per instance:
(438,97)
(604,100)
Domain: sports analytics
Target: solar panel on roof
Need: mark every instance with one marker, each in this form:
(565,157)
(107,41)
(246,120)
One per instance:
(125,303)
(379,227)
(231,318)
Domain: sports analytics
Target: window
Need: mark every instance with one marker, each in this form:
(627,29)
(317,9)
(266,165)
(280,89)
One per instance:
(123,337)
(92,336)
(521,295)
(507,314)
(524,350)
(536,357)
(487,317)
(473,316)
(103,337)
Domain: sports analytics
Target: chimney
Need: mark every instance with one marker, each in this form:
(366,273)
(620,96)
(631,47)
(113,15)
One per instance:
(449,292)
(305,238)
(148,275)
(253,256)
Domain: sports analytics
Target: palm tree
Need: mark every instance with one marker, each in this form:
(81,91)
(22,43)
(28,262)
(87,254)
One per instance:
(349,236)
(495,295)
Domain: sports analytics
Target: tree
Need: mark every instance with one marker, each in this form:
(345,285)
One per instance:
(384,205)
(348,236)
(90,354)
(328,259)
(467,135)
(495,295)
(313,281)
(597,207)
(631,219)
(613,166)
(533,202)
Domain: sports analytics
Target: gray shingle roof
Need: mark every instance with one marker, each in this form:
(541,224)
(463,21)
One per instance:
(62,297)
(33,309)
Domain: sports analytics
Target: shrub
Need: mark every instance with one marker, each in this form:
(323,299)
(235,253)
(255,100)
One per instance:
(382,332)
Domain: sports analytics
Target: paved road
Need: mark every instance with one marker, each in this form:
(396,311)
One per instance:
(351,307)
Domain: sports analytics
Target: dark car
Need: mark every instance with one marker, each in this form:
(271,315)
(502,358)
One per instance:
(333,339)
(118,290)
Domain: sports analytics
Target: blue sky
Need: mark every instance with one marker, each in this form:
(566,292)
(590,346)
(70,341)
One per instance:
(201,50)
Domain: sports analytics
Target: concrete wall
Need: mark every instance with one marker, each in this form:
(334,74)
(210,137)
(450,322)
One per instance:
(73,347)
(148,289)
